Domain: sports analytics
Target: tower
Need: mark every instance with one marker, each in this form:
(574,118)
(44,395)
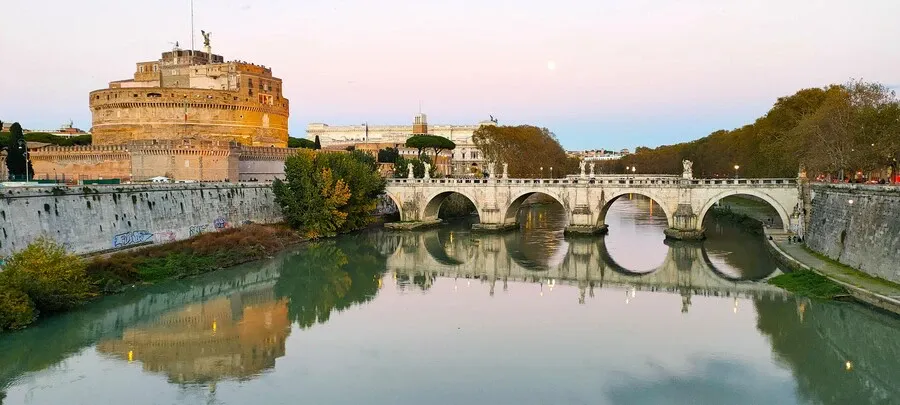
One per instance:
(420,124)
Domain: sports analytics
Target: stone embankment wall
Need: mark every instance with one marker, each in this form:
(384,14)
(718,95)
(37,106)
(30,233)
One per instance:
(857,225)
(90,219)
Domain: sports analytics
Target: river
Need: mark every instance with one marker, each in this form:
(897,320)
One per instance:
(447,316)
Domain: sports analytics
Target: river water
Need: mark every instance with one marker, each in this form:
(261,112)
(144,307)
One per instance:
(446,316)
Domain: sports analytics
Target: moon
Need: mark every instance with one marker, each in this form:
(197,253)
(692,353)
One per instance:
(551,65)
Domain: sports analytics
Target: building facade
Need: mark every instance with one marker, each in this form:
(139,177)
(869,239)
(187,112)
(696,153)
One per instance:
(462,161)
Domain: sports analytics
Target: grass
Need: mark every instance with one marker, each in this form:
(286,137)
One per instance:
(850,271)
(201,254)
(808,284)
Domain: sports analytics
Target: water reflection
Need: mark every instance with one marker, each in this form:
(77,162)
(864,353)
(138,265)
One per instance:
(263,322)
(237,336)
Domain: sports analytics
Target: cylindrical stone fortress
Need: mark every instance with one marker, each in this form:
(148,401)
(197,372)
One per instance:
(192,95)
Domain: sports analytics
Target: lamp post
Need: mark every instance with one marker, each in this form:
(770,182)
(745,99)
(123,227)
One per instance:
(551,172)
(736,167)
(542,172)
(626,169)
(633,170)
(24,148)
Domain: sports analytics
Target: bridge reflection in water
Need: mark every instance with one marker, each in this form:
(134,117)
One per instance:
(584,262)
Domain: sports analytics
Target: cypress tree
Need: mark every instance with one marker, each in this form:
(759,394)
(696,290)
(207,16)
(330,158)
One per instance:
(318,143)
(15,155)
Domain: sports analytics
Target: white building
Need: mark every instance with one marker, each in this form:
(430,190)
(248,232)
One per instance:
(465,156)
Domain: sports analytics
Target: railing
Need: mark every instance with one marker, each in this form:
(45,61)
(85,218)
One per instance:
(606,180)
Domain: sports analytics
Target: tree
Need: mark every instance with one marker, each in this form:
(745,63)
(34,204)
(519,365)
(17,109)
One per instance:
(401,167)
(15,153)
(526,149)
(432,142)
(388,155)
(317,144)
(327,193)
(301,143)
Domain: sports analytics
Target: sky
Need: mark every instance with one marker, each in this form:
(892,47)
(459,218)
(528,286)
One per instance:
(598,73)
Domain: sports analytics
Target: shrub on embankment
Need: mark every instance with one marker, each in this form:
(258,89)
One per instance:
(198,255)
(41,279)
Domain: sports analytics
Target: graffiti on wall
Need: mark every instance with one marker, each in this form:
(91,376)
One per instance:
(220,223)
(131,238)
(164,237)
(197,229)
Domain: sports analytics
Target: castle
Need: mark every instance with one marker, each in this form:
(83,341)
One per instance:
(188,116)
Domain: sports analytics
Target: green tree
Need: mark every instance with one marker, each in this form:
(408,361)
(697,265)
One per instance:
(359,171)
(317,144)
(327,193)
(15,153)
(401,167)
(53,279)
(388,155)
(301,143)
(430,142)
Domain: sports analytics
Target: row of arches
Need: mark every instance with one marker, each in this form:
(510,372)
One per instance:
(434,202)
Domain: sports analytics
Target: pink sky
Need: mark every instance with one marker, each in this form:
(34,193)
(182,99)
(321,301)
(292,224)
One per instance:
(627,73)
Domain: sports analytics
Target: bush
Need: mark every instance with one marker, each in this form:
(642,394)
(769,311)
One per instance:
(16,309)
(54,279)
(198,255)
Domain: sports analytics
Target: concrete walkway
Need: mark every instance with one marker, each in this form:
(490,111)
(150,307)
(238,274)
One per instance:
(875,291)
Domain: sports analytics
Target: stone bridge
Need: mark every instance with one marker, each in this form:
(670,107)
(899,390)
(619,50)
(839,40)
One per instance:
(586,263)
(587,200)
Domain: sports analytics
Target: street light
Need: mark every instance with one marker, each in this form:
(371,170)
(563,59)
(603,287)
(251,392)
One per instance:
(633,169)
(626,169)
(24,148)
(551,172)
(542,172)
(736,167)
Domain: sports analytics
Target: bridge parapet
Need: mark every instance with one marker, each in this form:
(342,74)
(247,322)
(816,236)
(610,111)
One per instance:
(586,200)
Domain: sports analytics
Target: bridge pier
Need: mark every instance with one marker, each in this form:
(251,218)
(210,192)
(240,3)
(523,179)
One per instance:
(586,229)
(685,225)
(495,227)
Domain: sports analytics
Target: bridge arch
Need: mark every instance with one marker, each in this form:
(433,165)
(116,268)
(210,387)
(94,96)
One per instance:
(509,214)
(397,203)
(609,200)
(434,201)
(781,210)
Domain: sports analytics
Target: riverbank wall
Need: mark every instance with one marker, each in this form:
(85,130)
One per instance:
(92,219)
(858,226)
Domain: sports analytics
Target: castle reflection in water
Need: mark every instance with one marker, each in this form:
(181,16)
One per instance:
(236,336)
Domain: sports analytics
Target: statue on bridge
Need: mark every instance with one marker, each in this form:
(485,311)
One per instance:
(688,172)
(505,172)
(592,170)
(427,174)
(410,174)
(491,169)
(582,165)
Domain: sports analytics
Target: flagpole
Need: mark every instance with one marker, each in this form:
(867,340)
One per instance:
(192,32)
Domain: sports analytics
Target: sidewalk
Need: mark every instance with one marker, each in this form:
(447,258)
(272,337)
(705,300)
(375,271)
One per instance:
(875,291)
